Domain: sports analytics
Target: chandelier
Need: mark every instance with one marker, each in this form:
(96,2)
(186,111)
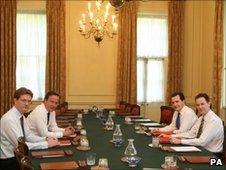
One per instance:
(97,22)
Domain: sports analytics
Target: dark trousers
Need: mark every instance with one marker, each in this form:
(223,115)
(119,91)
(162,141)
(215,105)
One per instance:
(9,164)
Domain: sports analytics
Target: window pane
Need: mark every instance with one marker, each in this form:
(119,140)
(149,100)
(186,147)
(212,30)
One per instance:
(31,53)
(140,81)
(155,80)
(152,38)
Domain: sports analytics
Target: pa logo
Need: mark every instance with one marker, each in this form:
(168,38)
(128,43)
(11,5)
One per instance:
(216,162)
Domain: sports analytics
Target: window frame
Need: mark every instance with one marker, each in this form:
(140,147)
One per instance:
(164,59)
(39,12)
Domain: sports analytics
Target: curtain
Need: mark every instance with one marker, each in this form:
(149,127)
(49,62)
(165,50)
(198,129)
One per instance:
(8,53)
(218,56)
(126,62)
(56,59)
(175,60)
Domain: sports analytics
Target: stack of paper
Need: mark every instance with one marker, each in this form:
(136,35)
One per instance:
(185,149)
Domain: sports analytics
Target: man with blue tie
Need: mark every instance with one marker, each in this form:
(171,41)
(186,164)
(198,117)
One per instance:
(207,132)
(183,117)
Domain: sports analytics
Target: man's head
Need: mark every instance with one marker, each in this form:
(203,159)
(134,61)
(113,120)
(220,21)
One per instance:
(202,102)
(51,101)
(22,99)
(177,101)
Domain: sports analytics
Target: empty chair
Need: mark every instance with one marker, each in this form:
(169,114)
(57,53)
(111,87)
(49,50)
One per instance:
(21,142)
(166,114)
(123,108)
(135,109)
(26,163)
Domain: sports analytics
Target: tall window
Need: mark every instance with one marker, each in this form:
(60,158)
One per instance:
(31,52)
(152,50)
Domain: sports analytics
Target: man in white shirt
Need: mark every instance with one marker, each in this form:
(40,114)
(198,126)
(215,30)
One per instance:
(207,132)
(42,120)
(183,117)
(13,126)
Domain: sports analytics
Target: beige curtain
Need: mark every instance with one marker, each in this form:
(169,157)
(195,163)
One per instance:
(126,61)
(218,56)
(8,53)
(175,61)
(56,59)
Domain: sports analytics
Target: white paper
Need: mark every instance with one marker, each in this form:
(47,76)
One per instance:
(141,120)
(151,124)
(186,149)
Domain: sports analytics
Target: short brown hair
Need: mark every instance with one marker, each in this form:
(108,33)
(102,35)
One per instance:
(21,91)
(51,93)
(204,95)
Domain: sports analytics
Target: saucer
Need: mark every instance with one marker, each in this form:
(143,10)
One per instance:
(83,148)
(128,123)
(160,146)
(140,132)
(136,159)
(172,168)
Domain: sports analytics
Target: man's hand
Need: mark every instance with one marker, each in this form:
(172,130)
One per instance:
(175,140)
(164,135)
(69,131)
(154,130)
(52,142)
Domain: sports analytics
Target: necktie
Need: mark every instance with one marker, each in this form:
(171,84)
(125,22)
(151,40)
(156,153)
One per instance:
(48,114)
(178,121)
(22,125)
(200,128)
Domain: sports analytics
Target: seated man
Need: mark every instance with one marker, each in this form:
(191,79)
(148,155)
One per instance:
(183,117)
(42,120)
(13,126)
(207,132)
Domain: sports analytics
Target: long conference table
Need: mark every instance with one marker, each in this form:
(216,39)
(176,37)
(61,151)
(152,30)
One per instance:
(99,143)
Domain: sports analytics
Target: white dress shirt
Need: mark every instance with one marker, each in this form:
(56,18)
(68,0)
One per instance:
(11,130)
(212,135)
(187,120)
(37,122)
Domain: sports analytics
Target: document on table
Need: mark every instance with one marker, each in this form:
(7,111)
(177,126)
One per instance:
(185,149)
(151,124)
(141,120)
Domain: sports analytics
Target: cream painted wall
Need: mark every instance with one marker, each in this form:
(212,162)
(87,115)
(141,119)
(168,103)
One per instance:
(91,69)
(198,43)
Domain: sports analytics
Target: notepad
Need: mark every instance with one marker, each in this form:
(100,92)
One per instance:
(185,149)
(141,120)
(151,124)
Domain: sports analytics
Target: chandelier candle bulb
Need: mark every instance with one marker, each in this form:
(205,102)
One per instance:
(99,21)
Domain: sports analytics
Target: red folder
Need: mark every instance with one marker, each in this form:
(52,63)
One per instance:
(164,139)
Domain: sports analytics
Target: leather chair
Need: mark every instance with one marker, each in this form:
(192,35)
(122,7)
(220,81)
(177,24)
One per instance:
(21,142)
(19,154)
(166,114)
(26,163)
(135,109)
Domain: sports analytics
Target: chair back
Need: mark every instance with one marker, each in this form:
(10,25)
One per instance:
(21,142)
(19,154)
(135,109)
(122,105)
(26,163)
(166,114)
